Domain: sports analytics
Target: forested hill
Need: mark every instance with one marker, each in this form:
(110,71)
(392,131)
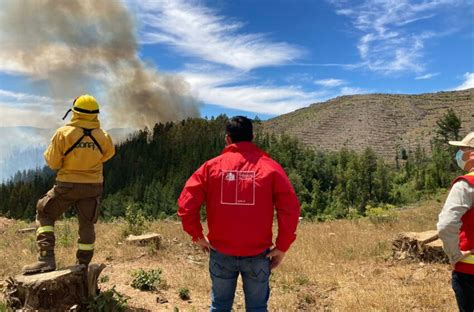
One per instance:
(150,168)
(387,123)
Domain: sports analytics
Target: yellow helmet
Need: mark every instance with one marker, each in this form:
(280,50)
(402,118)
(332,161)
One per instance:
(84,104)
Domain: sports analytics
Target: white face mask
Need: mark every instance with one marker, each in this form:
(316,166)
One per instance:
(461,163)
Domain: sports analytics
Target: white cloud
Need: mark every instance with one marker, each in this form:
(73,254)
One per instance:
(427,76)
(22,99)
(331,82)
(25,116)
(388,42)
(352,91)
(225,55)
(468,82)
(198,31)
(233,90)
(21,109)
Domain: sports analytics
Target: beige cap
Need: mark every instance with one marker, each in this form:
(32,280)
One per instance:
(468,141)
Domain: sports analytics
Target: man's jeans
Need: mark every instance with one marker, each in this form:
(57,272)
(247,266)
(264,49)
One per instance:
(463,286)
(224,272)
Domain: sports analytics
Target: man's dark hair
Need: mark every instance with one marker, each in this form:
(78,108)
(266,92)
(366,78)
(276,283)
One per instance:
(240,129)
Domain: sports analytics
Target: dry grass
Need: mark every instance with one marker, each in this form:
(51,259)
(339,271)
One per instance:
(333,266)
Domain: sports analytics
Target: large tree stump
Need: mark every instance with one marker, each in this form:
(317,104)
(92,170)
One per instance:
(62,290)
(145,240)
(423,246)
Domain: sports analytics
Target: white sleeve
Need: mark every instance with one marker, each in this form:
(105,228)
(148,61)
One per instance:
(459,201)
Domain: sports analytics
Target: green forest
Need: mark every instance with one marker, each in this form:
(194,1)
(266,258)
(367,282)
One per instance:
(152,165)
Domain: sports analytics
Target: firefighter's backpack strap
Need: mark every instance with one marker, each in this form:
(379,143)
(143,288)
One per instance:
(88,133)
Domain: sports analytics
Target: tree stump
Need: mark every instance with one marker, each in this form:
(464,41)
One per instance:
(62,290)
(423,246)
(144,240)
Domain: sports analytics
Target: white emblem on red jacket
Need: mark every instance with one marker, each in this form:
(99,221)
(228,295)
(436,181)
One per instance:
(238,187)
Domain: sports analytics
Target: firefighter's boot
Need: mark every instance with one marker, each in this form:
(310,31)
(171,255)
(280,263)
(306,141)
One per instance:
(46,263)
(84,257)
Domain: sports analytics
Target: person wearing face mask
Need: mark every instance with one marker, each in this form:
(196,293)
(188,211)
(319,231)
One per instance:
(456,226)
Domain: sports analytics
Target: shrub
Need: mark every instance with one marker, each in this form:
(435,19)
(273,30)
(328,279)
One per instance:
(183,293)
(148,280)
(108,301)
(136,223)
(381,214)
(104,279)
(353,214)
(152,249)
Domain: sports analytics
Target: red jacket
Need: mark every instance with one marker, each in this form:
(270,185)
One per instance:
(241,189)
(466,233)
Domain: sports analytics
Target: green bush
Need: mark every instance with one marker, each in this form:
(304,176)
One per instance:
(108,301)
(184,294)
(104,279)
(381,214)
(135,220)
(353,214)
(405,194)
(148,280)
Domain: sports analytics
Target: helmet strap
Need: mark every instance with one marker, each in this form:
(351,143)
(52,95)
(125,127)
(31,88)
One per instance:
(67,113)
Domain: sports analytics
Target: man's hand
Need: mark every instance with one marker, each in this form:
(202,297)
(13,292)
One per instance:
(465,253)
(204,244)
(276,257)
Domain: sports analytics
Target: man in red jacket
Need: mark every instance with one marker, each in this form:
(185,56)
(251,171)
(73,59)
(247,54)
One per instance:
(456,226)
(241,189)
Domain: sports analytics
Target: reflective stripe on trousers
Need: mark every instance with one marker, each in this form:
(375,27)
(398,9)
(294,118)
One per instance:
(44,229)
(86,247)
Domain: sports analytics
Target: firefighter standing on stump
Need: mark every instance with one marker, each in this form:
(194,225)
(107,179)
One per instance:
(78,151)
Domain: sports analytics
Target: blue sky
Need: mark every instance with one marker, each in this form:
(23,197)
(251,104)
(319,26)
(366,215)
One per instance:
(268,58)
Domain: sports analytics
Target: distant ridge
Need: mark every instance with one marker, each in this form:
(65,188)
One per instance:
(385,122)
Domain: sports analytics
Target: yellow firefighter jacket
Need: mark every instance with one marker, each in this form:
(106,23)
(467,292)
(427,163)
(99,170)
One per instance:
(83,164)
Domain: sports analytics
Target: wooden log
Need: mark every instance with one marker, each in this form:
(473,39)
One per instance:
(62,290)
(26,230)
(422,246)
(144,240)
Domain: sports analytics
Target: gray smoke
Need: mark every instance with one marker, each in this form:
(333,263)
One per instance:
(81,45)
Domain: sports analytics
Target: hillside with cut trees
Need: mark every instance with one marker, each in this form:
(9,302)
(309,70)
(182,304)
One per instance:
(388,123)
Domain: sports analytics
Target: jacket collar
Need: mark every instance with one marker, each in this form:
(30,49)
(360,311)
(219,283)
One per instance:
(84,121)
(243,147)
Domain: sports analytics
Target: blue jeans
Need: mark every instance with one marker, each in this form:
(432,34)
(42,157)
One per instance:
(463,286)
(224,272)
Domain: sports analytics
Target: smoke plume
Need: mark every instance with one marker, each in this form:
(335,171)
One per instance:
(89,46)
